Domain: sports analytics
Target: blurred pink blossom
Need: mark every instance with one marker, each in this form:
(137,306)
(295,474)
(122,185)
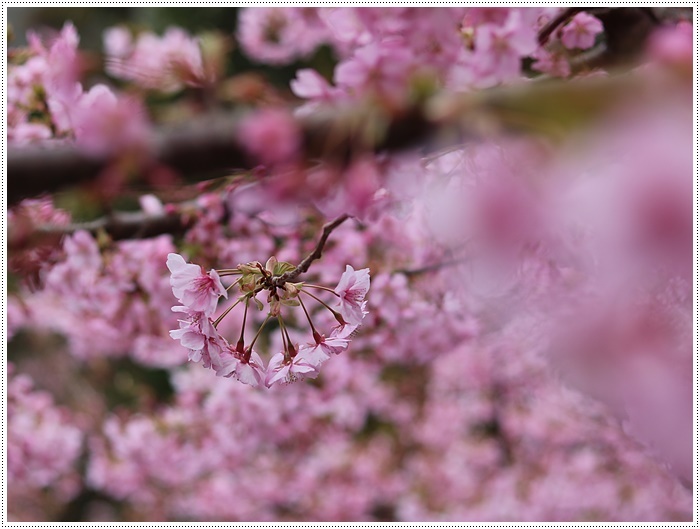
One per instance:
(581,31)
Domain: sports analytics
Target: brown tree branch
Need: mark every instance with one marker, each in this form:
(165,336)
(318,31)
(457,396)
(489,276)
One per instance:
(303,267)
(127,225)
(118,225)
(201,147)
(207,147)
(431,267)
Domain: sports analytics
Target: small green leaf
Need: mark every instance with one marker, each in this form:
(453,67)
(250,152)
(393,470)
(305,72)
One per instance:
(283,267)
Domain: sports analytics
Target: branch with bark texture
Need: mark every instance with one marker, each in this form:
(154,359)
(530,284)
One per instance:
(303,267)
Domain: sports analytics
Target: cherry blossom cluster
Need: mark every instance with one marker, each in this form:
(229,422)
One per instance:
(44,443)
(120,294)
(378,58)
(47,101)
(199,293)
(164,63)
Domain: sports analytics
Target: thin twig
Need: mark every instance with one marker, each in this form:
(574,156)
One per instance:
(303,267)
(118,225)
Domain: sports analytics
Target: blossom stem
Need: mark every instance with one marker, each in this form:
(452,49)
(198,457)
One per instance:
(290,349)
(233,284)
(218,320)
(313,329)
(245,316)
(317,299)
(257,335)
(322,288)
(284,341)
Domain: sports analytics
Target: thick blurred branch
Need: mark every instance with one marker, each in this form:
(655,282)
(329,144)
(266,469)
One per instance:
(208,145)
(200,147)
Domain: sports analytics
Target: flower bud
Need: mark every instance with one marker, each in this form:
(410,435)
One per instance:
(250,268)
(271,264)
(247,283)
(291,289)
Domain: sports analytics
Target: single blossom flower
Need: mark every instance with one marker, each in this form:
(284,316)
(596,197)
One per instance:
(284,370)
(343,332)
(106,123)
(313,355)
(194,288)
(333,344)
(250,371)
(581,32)
(351,289)
(194,333)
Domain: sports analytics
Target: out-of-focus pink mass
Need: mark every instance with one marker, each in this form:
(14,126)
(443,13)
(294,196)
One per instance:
(350,264)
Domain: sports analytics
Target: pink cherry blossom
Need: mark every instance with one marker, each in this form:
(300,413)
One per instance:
(352,289)
(381,67)
(107,123)
(333,344)
(251,372)
(271,136)
(284,370)
(313,355)
(158,63)
(28,132)
(278,35)
(192,287)
(309,84)
(581,31)
(195,333)
(672,45)
(499,49)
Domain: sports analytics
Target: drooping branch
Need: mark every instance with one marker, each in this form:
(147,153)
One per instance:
(303,267)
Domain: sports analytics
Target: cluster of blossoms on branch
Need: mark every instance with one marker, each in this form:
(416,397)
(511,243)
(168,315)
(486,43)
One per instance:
(199,293)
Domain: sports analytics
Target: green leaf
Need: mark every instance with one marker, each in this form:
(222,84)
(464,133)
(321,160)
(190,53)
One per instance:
(283,267)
